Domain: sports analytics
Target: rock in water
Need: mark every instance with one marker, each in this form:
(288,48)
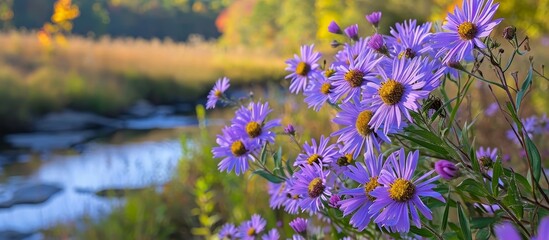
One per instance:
(34,194)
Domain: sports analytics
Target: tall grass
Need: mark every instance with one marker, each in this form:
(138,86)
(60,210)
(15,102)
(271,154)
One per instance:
(108,75)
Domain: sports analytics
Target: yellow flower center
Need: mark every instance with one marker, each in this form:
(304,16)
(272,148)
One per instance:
(330,72)
(218,93)
(313,159)
(253,129)
(370,186)
(302,69)
(251,231)
(354,77)
(325,88)
(238,149)
(345,160)
(316,188)
(391,92)
(402,190)
(362,123)
(467,30)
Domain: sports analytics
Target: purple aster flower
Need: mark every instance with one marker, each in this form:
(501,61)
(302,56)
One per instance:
(291,205)
(487,156)
(350,79)
(251,122)
(377,43)
(251,228)
(529,127)
(399,90)
(278,194)
(507,231)
(322,154)
(373,18)
(297,237)
(299,225)
(446,169)
(334,28)
(358,132)
(352,32)
(398,199)
(319,93)
(217,92)
(350,51)
(310,184)
(228,231)
(491,109)
(358,199)
(465,28)
(410,40)
(235,150)
(271,235)
(303,68)
(543,229)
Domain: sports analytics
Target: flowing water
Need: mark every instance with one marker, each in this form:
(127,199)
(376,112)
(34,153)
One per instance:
(58,176)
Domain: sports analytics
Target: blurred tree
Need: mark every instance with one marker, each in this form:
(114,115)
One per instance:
(64,12)
(297,22)
(6,13)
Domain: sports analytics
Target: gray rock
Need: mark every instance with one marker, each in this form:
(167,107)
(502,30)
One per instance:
(33,194)
(13,235)
(72,120)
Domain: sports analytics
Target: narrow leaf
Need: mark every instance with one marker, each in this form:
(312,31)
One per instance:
(464,223)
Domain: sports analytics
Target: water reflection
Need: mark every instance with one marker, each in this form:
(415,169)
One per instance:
(100,166)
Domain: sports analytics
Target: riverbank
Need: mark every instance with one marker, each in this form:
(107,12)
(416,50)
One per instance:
(107,76)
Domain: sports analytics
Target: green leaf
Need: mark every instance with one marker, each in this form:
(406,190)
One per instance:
(535,157)
(289,168)
(427,135)
(498,169)
(421,232)
(524,88)
(278,161)
(446,212)
(268,176)
(263,155)
(474,188)
(438,149)
(464,223)
(483,222)
(483,234)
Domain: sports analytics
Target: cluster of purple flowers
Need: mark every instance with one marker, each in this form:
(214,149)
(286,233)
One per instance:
(256,227)
(375,83)
(533,126)
(240,142)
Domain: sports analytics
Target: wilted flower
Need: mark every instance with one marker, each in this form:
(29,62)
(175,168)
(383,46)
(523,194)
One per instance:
(509,32)
(487,156)
(446,169)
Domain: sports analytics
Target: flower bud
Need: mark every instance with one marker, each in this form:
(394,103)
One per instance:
(334,28)
(334,201)
(352,32)
(374,18)
(446,169)
(509,32)
(290,130)
(377,43)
